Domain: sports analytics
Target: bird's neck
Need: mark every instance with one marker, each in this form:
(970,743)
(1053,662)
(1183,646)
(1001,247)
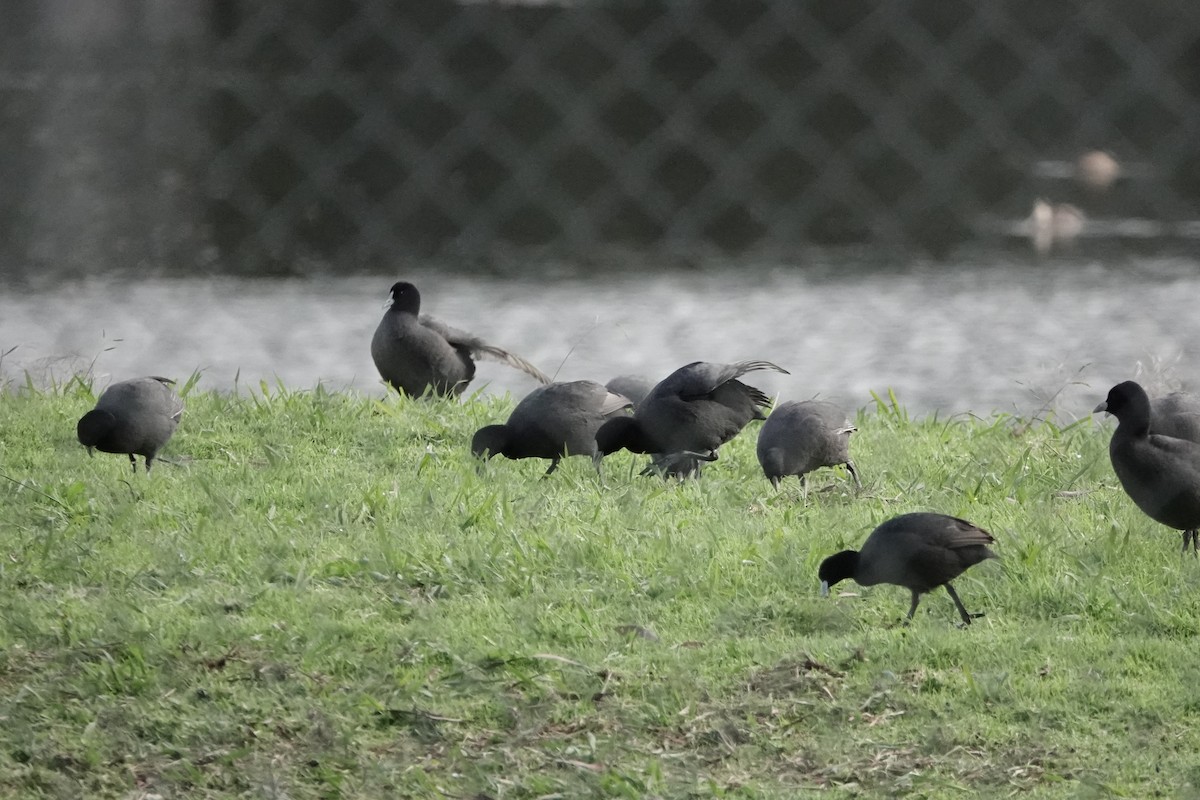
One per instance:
(1136,421)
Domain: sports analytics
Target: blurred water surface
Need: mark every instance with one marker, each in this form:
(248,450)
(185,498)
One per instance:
(1014,339)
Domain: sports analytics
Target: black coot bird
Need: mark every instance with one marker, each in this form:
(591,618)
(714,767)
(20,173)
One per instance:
(135,417)
(1176,414)
(552,421)
(799,437)
(919,551)
(688,415)
(1160,473)
(416,354)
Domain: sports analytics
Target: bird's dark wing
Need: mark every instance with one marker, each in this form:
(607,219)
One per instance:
(702,377)
(960,533)
(478,347)
(944,553)
(175,401)
(1177,447)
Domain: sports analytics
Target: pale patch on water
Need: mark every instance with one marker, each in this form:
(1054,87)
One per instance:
(945,339)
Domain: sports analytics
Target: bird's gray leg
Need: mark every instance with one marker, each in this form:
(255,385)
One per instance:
(913,608)
(665,463)
(804,489)
(1190,535)
(133,463)
(674,458)
(854,474)
(655,467)
(553,466)
(962,610)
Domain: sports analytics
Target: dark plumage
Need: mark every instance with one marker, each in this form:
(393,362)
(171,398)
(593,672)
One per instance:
(919,551)
(1176,414)
(552,421)
(416,354)
(635,387)
(688,415)
(135,417)
(1160,473)
(799,437)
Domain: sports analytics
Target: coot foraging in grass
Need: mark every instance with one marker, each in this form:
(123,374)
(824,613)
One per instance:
(416,354)
(135,417)
(1176,414)
(799,437)
(1160,473)
(919,551)
(635,387)
(552,421)
(688,415)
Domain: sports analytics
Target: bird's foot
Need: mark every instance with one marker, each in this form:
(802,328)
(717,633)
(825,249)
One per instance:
(966,620)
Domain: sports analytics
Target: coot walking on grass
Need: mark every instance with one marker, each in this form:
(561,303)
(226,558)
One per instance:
(799,437)
(552,421)
(135,417)
(688,415)
(919,551)
(1160,473)
(416,354)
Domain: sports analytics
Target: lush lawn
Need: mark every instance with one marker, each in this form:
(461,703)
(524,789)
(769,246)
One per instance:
(324,595)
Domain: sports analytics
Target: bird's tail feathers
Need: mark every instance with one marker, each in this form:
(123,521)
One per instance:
(512,360)
(743,367)
(759,397)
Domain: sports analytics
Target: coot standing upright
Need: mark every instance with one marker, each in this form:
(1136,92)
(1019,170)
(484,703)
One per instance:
(800,437)
(416,354)
(552,421)
(1160,473)
(135,417)
(688,415)
(919,551)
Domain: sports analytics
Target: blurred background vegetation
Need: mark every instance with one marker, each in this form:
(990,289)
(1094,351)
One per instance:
(327,136)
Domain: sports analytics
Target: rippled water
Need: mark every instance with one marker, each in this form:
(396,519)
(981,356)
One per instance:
(945,339)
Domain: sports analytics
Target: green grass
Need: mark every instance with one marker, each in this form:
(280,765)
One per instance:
(320,595)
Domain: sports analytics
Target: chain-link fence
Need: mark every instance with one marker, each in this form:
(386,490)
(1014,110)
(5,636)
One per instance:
(275,135)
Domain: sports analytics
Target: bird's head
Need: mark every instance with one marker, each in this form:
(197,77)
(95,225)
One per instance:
(404,297)
(837,568)
(490,440)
